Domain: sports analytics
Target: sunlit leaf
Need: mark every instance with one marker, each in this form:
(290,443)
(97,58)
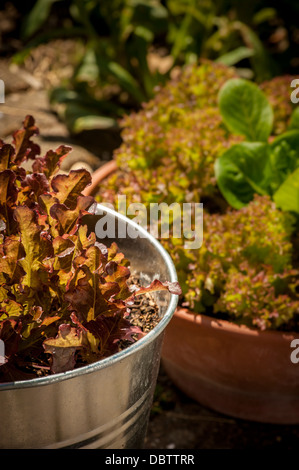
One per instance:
(68,187)
(245,109)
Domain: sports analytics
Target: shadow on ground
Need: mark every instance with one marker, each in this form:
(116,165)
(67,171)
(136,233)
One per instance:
(178,422)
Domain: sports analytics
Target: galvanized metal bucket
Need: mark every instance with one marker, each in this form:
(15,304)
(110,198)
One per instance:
(106,404)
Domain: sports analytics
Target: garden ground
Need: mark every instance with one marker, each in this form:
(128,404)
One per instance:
(177,422)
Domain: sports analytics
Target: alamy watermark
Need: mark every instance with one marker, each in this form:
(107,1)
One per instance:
(295,93)
(2,352)
(181,221)
(295,354)
(2,91)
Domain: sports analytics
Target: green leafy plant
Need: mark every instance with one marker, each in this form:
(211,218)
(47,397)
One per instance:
(128,47)
(257,165)
(247,268)
(64,297)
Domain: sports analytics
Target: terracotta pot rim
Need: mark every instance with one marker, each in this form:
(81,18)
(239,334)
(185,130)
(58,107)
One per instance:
(225,325)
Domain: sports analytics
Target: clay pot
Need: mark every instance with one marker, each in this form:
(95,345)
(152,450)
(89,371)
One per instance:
(233,369)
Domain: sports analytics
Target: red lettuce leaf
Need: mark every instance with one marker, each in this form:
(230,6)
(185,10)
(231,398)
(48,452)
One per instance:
(109,331)
(50,163)
(11,272)
(24,147)
(6,155)
(156,285)
(37,246)
(67,219)
(68,187)
(35,184)
(8,198)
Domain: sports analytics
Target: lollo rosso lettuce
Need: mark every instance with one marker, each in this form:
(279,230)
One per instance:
(64,297)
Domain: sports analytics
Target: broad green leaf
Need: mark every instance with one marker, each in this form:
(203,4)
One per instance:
(284,157)
(290,137)
(246,110)
(287,195)
(242,171)
(87,70)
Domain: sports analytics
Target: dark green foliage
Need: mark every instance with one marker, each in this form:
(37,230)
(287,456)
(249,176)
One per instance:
(126,48)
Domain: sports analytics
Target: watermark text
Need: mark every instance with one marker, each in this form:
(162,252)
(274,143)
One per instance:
(161,220)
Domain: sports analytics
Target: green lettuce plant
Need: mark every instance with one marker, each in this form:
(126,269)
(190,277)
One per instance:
(247,268)
(257,165)
(64,296)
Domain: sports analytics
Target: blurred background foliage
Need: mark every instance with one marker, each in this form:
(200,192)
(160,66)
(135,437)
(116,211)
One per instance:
(120,50)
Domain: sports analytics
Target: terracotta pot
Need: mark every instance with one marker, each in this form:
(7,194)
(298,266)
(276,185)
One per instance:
(233,369)
(99,175)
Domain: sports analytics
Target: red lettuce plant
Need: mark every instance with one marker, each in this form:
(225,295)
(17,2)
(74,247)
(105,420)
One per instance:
(179,129)
(245,268)
(64,297)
